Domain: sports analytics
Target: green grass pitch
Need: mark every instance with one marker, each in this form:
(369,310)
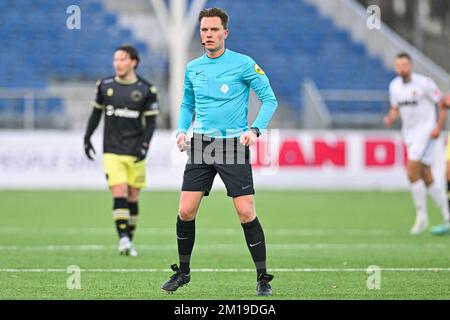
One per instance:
(319,245)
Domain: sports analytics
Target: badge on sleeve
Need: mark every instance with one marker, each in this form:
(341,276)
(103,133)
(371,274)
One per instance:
(258,69)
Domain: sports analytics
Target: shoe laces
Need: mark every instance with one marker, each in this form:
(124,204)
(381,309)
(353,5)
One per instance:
(265,278)
(175,269)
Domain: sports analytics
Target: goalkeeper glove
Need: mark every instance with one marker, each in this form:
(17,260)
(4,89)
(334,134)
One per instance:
(141,152)
(88,147)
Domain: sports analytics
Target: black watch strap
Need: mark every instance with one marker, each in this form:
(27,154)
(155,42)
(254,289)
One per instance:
(256,131)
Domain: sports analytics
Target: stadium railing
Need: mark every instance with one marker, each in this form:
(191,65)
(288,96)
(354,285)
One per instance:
(32,108)
(337,109)
(384,42)
(315,114)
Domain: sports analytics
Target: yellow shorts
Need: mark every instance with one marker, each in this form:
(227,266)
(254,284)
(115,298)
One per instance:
(120,169)
(447,154)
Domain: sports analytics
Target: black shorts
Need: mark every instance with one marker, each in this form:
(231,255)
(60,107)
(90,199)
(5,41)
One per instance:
(227,157)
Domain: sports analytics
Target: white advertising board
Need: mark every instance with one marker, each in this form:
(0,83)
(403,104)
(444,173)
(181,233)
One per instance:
(353,160)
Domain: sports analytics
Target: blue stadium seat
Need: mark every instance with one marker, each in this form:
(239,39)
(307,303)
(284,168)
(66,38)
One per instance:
(41,37)
(303,43)
(37,47)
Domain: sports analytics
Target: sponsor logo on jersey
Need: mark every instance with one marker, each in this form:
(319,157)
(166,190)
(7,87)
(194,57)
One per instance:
(121,112)
(408,103)
(110,92)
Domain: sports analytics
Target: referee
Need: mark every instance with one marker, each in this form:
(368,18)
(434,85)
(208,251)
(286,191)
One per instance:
(130,105)
(216,89)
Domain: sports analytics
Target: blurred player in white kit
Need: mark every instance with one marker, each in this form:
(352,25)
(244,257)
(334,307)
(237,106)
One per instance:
(414,97)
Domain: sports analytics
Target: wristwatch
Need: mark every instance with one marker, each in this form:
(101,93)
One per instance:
(256,131)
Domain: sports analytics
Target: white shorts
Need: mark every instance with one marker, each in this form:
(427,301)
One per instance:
(422,151)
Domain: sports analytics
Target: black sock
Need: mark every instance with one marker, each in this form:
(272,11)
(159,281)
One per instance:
(254,235)
(121,215)
(134,211)
(185,238)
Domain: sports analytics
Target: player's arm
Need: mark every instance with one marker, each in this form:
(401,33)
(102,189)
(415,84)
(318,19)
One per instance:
(392,115)
(394,111)
(186,113)
(443,104)
(442,115)
(93,122)
(149,129)
(446,101)
(259,82)
(435,95)
(151,110)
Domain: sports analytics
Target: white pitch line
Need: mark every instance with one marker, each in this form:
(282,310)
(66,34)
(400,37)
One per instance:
(228,246)
(210,231)
(437,269)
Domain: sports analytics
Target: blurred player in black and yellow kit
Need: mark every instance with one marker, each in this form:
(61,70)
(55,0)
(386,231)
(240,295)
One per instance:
(130,106)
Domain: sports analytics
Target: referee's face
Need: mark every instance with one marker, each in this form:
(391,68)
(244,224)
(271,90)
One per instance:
(123,64)
(213,34)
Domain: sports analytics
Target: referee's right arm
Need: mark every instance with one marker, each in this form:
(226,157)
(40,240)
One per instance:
(187,106)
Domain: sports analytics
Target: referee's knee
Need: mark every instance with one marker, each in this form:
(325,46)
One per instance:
(187,213)
(246,215)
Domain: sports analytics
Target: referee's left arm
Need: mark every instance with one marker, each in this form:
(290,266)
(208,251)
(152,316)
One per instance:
(259,82)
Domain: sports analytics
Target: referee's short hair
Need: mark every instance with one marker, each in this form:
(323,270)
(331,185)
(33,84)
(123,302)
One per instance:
(132,52)
(214,12)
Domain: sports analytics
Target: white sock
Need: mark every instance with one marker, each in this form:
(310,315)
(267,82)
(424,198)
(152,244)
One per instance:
(419,196)
(438,195)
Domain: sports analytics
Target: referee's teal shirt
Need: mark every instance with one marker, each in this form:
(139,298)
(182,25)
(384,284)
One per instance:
(217,90)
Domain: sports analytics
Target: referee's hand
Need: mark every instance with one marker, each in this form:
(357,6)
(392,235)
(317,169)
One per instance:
(182,141)
(248,138)
(88,147)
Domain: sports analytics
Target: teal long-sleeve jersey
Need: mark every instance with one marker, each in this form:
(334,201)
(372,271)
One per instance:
(217,90)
